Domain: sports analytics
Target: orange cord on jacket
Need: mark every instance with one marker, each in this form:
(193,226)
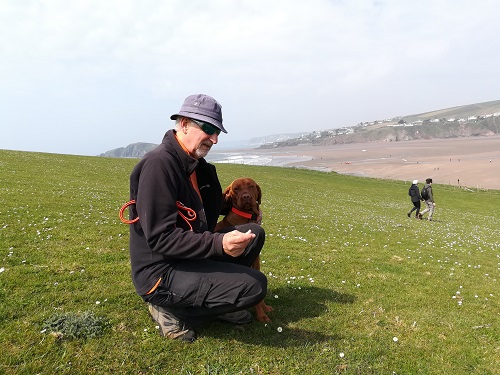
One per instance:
(188,215)
(124,207)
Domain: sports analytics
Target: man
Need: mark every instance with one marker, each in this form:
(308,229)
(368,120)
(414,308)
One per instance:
(187,274)
(414,193)
(429,200)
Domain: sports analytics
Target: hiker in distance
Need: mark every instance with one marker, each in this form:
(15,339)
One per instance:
(414,194)
(428,196)
(187,274)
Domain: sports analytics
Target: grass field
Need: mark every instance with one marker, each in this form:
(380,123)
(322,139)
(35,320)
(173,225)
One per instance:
(357,287)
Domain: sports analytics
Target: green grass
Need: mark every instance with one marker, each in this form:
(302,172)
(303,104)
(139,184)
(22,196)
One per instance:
(348,272)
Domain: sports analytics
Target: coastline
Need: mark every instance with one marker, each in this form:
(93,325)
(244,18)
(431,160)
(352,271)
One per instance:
(472,162)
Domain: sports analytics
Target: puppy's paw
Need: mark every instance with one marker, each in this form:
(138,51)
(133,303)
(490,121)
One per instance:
(267,308)
(263,318)
(260,312)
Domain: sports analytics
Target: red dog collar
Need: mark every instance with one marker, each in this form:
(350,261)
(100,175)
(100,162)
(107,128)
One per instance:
(246,215)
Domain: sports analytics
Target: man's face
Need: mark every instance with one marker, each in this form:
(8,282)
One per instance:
(205,144)
(197,141)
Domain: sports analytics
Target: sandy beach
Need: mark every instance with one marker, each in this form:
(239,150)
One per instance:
(471,162)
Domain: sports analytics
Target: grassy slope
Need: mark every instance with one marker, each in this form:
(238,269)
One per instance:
(463,111)
(348,272)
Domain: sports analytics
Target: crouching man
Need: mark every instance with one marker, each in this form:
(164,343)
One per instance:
(186,274)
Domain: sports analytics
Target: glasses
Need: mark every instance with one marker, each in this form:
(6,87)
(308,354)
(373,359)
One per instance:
(206,127)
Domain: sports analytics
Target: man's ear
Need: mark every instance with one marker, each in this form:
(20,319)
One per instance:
(184,123)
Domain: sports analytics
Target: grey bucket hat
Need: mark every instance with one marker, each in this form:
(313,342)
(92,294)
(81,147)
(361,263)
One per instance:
(202,107)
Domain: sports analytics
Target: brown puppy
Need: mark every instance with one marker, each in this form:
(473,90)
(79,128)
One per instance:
(243,196)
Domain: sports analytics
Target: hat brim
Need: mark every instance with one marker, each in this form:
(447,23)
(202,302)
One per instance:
(197,116)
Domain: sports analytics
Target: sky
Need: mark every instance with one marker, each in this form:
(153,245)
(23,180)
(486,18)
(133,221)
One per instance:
(84,77)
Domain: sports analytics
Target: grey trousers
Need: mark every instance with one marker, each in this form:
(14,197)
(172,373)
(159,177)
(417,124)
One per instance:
(429,208)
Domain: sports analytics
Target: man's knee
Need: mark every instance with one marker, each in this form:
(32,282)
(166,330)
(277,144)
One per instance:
(258,289)
(260,234)
(255,228)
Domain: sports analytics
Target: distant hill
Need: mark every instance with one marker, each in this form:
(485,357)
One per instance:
(464,111)
(258,141)
(481,119)
(134,150)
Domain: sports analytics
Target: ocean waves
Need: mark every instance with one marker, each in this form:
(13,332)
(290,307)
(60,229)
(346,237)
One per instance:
(257,158)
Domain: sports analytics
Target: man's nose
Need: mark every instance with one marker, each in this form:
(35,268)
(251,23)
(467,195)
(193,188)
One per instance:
(214,138)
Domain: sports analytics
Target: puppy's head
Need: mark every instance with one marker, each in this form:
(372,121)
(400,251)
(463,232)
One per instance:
(244,194)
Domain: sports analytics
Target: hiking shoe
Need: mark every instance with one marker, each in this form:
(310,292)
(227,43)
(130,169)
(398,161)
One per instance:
(420,216)
(237,317)
(169,325)
(408,214)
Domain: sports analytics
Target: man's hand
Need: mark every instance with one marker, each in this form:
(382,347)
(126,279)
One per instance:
(235,242)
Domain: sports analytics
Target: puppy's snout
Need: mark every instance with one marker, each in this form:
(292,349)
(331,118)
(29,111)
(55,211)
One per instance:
(246,196)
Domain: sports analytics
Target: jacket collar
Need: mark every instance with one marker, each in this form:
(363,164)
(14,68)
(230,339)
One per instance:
(188,163)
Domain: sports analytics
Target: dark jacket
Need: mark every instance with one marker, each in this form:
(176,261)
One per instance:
(161,236)
(414,193)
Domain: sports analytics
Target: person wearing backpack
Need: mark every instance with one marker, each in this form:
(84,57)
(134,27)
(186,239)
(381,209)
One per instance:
(427,195)
(414,194)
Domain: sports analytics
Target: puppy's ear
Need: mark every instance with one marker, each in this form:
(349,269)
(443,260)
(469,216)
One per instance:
(227,195)
(227,202)
(259,194)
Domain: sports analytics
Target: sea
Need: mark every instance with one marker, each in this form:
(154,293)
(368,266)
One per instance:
(256,157)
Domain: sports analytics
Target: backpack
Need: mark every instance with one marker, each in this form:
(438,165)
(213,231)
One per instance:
(424,193)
